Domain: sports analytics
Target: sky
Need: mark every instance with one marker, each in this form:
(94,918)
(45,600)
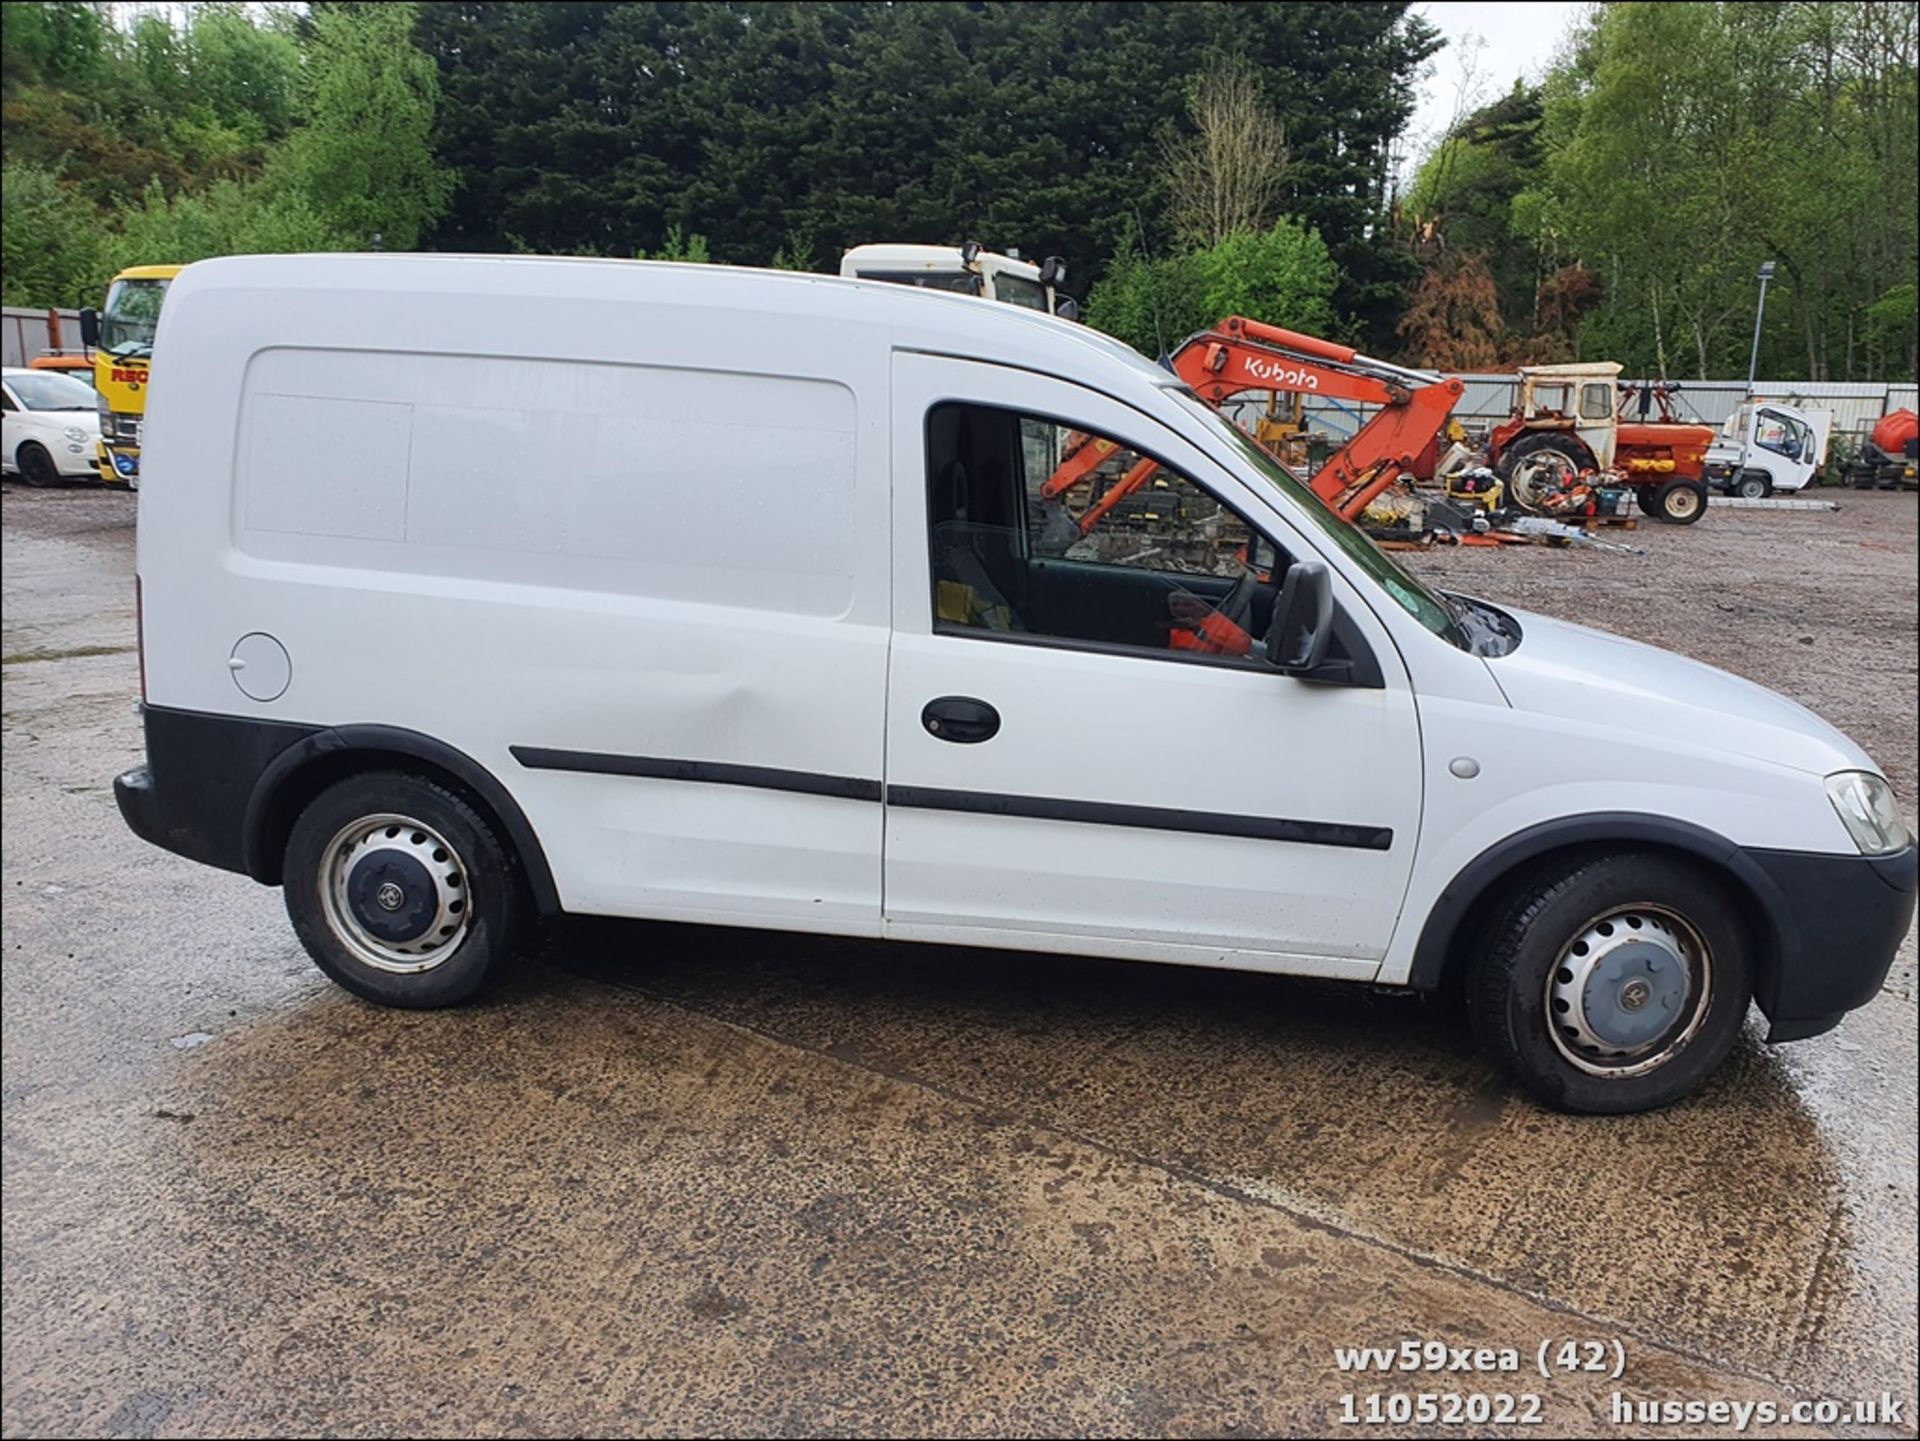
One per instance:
(1489,46)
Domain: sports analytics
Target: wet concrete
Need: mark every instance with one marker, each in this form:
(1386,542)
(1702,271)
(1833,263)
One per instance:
(680,1180)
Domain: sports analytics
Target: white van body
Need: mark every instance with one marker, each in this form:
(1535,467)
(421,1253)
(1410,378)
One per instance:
(636,557)
(1767,446)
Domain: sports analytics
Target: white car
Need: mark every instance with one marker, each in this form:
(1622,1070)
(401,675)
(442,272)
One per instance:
(51,429)
(786,636)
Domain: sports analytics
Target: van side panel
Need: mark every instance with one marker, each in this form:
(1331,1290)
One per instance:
(605,534)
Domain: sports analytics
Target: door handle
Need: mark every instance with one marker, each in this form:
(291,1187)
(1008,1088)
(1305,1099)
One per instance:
(960,719)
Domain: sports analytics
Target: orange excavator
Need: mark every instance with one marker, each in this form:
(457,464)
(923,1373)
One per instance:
(1240,355)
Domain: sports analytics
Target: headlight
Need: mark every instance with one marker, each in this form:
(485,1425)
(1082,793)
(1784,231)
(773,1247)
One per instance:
(75,433)
(1869,811)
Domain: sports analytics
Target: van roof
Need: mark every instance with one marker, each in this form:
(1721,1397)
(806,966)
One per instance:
(919,319)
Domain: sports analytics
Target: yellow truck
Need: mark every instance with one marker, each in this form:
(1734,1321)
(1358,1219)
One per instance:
(121,337)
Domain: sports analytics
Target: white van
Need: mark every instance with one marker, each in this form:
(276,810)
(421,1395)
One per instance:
(479,588)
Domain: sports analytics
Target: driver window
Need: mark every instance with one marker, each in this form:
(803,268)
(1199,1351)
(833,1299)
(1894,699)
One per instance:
(1039,529)
(1777,433)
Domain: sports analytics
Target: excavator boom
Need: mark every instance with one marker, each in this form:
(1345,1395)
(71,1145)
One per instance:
(1240,355)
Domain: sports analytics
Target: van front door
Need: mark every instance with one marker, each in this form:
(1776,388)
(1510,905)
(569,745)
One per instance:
(1084,749)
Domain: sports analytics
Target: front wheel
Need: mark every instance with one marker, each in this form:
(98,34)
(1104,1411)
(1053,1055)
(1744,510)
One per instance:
(1680,502)
(400,890)
(36,466)
(1613,984)
(1753,486)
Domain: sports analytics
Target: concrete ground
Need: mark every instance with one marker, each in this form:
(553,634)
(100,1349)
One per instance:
(675,1180)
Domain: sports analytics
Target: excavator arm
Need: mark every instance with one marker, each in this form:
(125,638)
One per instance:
(1240,355)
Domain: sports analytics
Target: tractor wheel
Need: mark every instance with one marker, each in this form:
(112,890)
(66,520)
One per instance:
(1680,502)
(1753,485)
(1536,465)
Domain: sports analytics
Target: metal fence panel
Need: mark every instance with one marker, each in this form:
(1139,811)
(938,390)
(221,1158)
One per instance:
(1490,398)
(25,333)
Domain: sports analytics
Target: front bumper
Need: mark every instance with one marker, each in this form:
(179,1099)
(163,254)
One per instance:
(1849,915)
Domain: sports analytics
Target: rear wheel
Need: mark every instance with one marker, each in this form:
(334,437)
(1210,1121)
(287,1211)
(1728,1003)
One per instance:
(1680,502)
(400,890)
(36,465)
(1535,466)
(1753,485)
(1612,984)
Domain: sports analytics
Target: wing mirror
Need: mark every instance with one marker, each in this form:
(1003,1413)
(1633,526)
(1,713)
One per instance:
(1302,627)
(1067,308)
(1053,271)
(90,328)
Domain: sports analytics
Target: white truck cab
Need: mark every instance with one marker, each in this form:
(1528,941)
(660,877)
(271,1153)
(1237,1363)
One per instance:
(966,270)
(1767,446)
(799,650)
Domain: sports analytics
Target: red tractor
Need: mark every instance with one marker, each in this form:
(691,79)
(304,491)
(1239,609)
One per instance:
(1568,429)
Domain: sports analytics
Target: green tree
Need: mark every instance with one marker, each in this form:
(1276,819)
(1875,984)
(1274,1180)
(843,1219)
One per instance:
(1282,275)
(1036,126)
(51,250)
(229,217)
(363,157)
(1687,142)
(680,247)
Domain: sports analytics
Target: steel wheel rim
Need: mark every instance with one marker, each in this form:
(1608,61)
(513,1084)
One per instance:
(1750,490)
(396,842)
(1594,999)
(1681,503)
(1541,465)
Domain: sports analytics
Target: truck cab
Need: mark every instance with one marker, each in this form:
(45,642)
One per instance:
(1766,446)
(122,337)
(966,270)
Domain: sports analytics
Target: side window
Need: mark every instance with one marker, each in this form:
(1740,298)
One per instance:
(1596,401)
(1043,530)
(1777,433)
(6,402)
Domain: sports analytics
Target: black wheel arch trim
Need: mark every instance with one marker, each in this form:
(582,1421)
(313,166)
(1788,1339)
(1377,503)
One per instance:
(393,740)
(1471,885)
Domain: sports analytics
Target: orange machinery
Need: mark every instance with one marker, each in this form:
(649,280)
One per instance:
(1240,355)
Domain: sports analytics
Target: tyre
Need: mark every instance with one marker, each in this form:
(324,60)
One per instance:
(400,890)
(1753,485)
(1536,465)
(1612,983)
(1680,502)
(36,465)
